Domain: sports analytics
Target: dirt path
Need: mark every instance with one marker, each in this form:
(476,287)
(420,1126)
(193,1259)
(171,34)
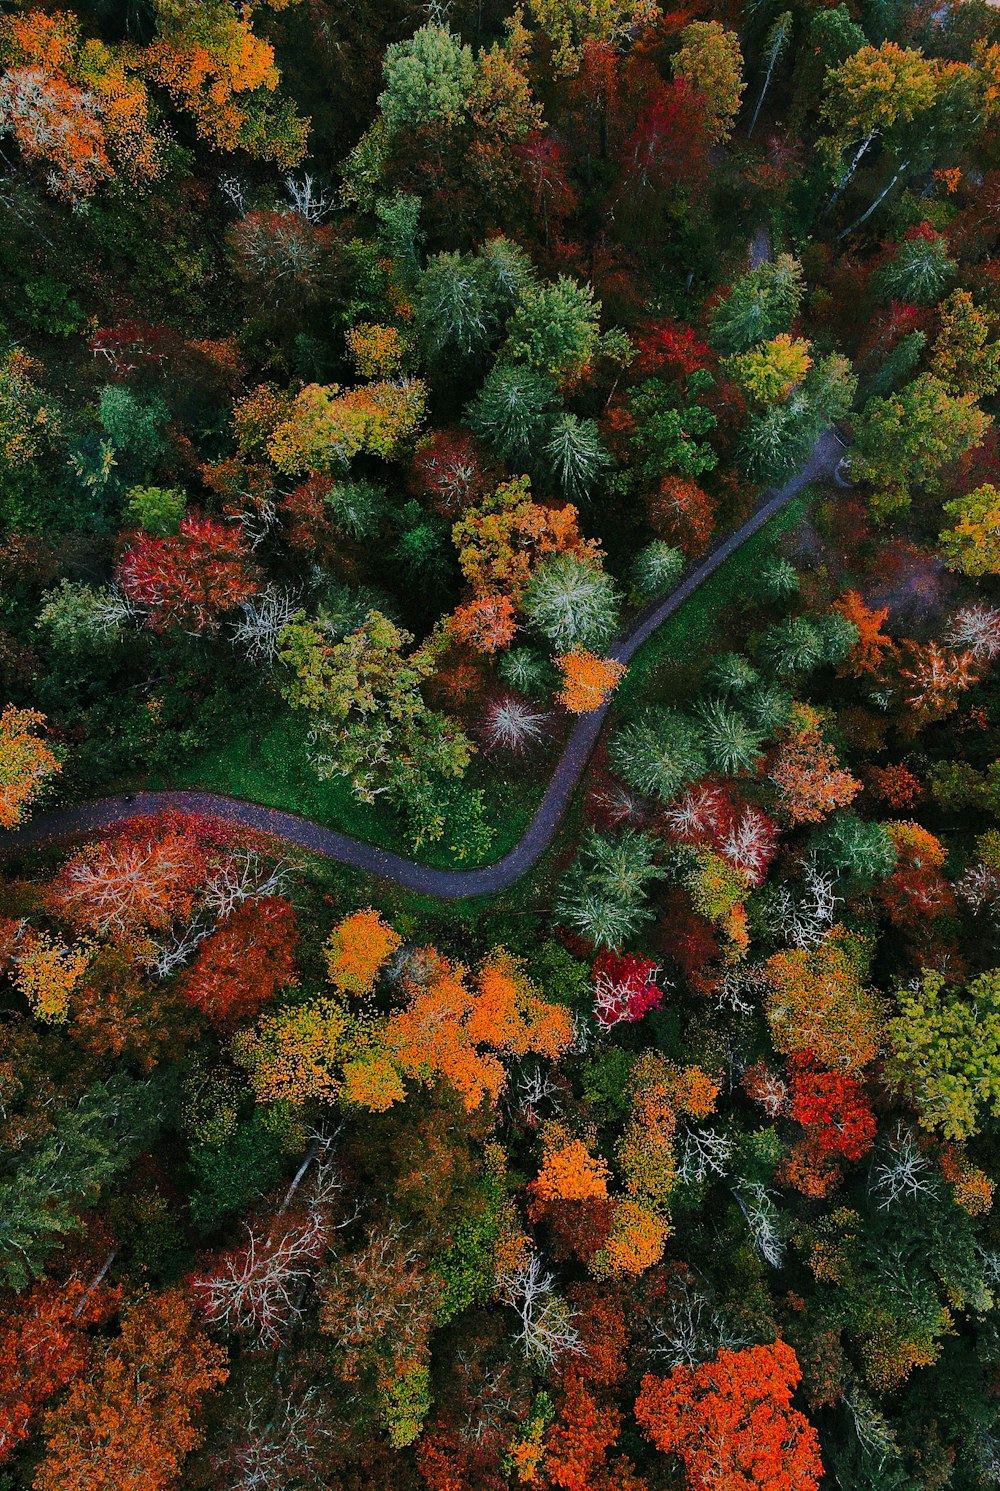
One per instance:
(450,884)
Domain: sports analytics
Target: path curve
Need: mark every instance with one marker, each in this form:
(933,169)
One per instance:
(450,884)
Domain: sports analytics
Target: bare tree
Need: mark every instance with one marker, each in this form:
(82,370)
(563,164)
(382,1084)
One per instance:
(264,617)
(903,1171)
(547,1330)
(761,1214)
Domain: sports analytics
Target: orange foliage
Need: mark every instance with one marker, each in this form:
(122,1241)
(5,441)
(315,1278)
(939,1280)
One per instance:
(869,651)
(145,876)
(973,1187)
(732,1423)
(569,1172)
(682,513)
(27,765)
(129,1420)
(935,678)
(918,848)
(486,623)
(805,770)
(817,1003)
(588,680)
(356,949)
(42,1348)
(577,1443)
(46,971)
(499,541)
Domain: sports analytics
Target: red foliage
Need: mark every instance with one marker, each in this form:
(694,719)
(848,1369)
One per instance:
(132,346)
(834,1106)
(669,349)
(894,784)
(189,581)
(244,963)
(682,513)
(625,987)
(450,471)
(669,146)
(42,1348)
(577,1443)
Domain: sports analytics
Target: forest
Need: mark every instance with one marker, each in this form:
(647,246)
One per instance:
(499,754)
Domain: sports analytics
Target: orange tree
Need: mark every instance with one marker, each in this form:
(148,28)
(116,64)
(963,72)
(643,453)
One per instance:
(27,764)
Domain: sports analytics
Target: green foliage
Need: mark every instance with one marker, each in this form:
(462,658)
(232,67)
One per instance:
(428,79)
(946,1051)
(656,569)
(603,896)
(660,753)
(226,1178)
(850,847)
(510,412)
(555,328)
(572,602)
(666,425)
(133,427)
(759,306)
(156,510)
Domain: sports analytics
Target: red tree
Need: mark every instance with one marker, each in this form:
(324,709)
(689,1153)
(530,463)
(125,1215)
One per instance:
(189,581)
(247,959)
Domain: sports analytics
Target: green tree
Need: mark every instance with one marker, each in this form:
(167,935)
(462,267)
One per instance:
(555,328)
(369,719)
(135,428)
(872,95)
(733,742)
(656,569)
(574,456)
(864,852)
(906,439)
(428,79)
(659,753)
(963,357)
(603,896)
(946,1051)
(666,424)
(918,271)
(510,411)
(972,545)
(88,1145)
(760,305)
(572,602)
(156,510)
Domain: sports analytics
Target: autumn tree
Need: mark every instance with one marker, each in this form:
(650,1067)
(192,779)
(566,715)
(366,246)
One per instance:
(191,581)
(356,950)
(222,73)
(588,681)
(27,763)
(244,963)
(132,1417)
(711,62)
(962,356)
(818,1002)
(810,781)
(731,1421)
(905,440)
(871,646)
(572,27)
(971,544)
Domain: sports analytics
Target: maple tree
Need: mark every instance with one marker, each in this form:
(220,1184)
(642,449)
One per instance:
(356,949)
(809,780)
(244,963)
(732,1423)
(970,545)
(190,581)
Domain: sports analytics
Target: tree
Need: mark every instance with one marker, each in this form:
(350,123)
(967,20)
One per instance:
(574,455)
(458,308)
(946,1051)
(510,412)
(818,1004)
(572,602)
(870,646)
(190,581)
(244,963)
(710,60)
(573,27)
(972,545)
(42,1349)
(906,439)
(130,1420)
(603,897)
(514,725)
(27,764)
(769,371)
(775,46)
(681,511)
(356,950)
(555,329)
(156,510)
(874,93)
(428,79)
(87,1146)
(486,624)
(326,426)
(46,972)
(935,678)
(733,742)
(370,720)
(732,1423)
(660,753)
(962,356)
(656,569)
(588,681)
(625,987)
(213,65)
(661,425)
(809,779)
(919,270)
(759,306)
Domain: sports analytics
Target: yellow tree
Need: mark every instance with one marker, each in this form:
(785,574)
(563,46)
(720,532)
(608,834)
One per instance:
(27,764)
(711,62)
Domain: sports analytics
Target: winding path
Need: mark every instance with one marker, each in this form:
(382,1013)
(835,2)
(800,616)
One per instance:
(450,884)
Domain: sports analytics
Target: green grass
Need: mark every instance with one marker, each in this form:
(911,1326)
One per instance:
(277,773)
